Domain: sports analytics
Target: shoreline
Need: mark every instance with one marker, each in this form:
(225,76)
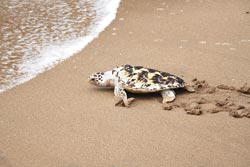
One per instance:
(20,65)
(59,119)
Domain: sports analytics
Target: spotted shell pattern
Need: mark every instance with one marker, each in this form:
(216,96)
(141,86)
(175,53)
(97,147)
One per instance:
(140,79)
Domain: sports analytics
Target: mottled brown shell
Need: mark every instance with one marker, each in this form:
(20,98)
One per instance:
(140,79)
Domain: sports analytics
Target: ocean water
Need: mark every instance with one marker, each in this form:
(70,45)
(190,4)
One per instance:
(35,35)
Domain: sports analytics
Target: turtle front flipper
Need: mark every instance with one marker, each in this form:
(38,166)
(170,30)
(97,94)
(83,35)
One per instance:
(168,96)
(121,96)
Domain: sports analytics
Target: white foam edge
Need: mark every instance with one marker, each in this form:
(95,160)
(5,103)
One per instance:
(54,54)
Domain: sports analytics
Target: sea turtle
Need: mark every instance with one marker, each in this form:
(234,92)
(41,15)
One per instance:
(138,79)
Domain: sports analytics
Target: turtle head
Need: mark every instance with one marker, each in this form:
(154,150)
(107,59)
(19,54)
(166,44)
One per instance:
(101,79)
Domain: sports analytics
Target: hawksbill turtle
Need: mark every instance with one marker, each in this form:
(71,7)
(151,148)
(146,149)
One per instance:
(138,79)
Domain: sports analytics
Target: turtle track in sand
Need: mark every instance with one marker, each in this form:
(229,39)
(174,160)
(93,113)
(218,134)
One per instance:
(213,99)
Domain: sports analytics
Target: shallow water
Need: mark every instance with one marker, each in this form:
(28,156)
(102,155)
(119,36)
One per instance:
(37,34)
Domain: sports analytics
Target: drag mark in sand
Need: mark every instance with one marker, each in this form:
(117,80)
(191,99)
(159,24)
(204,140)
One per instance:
(214,99)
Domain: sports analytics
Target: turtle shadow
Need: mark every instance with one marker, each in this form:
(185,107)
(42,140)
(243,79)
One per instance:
(155,95)
(144,95)
(181,91)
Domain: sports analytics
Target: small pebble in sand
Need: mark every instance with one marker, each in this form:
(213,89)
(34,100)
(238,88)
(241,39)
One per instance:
(114,33)
(247,12)
(121,19)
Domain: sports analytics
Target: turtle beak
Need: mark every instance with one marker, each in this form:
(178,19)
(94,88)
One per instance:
(91,79)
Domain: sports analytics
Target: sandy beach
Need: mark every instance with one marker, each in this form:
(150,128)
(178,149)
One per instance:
(59,120)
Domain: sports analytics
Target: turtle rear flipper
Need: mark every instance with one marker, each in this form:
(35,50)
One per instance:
(168,96)
(189,88)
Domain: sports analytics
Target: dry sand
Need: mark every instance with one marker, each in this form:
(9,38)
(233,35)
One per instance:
(59,120)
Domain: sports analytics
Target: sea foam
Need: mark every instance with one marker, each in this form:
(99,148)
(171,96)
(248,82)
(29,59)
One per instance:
(50,55)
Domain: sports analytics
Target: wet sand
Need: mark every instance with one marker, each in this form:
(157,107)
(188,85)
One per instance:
(59,119)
